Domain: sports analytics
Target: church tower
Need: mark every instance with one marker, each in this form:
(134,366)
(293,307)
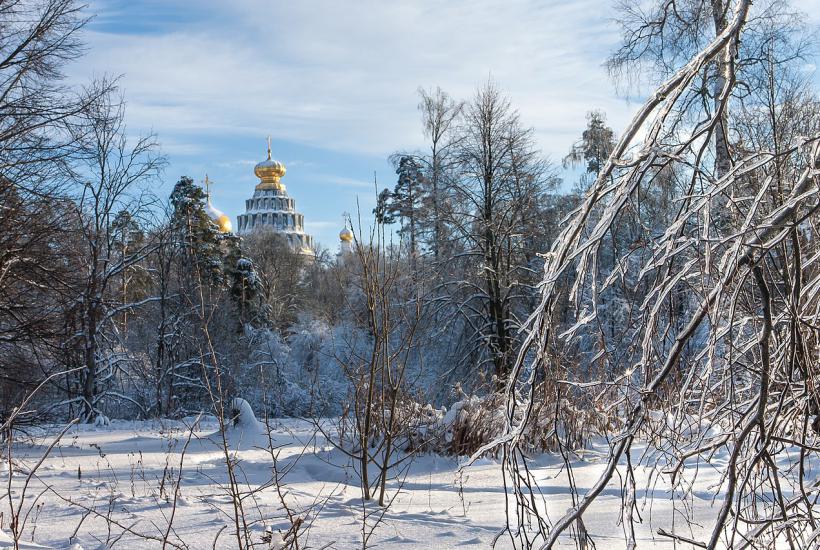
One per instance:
(345,242)
(272,208)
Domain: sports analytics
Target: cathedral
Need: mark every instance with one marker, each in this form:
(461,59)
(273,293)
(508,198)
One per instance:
(271,208)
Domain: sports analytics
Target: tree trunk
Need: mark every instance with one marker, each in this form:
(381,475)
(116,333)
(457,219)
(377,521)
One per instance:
(89,388)
(722,159)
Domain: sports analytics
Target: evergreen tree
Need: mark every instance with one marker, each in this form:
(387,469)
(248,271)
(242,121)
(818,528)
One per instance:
(134,281)
(219,256)
(198,236)
(405,201)
(592,149)
(245,284)
(384,212)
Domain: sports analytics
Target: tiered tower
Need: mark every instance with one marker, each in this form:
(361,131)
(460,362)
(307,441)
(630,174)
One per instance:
(272,208)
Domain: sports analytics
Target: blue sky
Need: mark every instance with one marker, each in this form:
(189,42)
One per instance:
(335,83)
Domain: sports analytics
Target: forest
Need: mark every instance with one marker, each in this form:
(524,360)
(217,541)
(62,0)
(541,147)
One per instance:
(643,313)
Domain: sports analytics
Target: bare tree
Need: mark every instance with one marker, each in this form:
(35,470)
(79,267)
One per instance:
(661,35)
(385,306)
(37,40)
(282,272)
(440,114)
(731,371)
(38,127)
(110,178)
(499,175)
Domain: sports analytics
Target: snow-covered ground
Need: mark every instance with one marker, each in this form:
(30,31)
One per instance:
(127,471)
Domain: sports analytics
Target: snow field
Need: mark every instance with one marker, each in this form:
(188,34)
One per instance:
(114,485)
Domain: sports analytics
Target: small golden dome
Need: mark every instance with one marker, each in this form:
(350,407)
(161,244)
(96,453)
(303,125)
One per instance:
(225,225)
(219,218)
(269,172)
(346,235)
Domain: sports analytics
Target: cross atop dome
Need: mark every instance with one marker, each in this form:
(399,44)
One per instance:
(216,215)
(208,184)
(345,235)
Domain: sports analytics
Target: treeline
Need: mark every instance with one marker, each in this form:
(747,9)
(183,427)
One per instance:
(113,301)
(118,302)
(691,266)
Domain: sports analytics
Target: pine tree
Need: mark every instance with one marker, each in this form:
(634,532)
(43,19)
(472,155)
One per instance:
(405,201)
(592,149)
(384,212)
(196,234)
(244,283)
(407,197)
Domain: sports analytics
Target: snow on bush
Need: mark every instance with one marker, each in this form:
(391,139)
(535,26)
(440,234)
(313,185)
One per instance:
(297,374)
(242,416)
(242,429)
(474,421)
(101,421)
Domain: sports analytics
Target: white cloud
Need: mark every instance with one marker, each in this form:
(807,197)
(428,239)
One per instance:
(240,163)
(339,79)
(323,224)
(343,76)
(345,181)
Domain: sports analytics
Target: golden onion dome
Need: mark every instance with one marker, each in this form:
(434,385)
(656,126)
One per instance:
(346,235)
(219,218)
(269,172)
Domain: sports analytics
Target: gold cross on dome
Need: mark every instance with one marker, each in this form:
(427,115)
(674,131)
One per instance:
(268,147)
(208,183)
